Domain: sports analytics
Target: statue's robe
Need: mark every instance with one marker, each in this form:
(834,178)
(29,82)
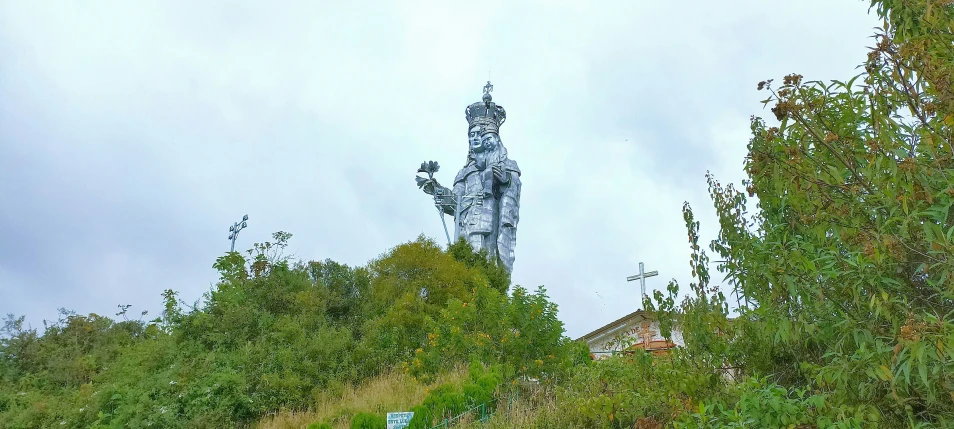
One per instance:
(488,213)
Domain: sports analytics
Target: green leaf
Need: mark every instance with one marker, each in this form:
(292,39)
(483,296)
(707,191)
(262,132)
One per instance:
(922,371)
(884,373)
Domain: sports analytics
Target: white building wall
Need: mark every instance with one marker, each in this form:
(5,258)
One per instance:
(602,345)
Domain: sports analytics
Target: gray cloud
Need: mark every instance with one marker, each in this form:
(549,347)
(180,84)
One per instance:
(132,134)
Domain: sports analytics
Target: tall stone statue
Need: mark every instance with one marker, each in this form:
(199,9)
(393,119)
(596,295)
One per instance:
(485,197)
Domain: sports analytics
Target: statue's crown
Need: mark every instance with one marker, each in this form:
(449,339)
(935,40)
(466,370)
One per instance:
(486,113)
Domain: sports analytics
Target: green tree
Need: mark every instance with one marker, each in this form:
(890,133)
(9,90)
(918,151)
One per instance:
(410,284)
(843,276)
(496,274)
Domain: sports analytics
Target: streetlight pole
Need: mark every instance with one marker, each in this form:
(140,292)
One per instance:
(234,230)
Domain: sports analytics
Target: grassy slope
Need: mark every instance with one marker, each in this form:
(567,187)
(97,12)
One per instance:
(386,393)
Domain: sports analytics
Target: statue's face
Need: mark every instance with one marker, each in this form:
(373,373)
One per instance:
(480,142)
(474,138)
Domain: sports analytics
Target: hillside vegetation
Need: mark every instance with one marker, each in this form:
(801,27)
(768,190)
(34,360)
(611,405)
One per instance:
(843,277)
(275,335)
(389,392)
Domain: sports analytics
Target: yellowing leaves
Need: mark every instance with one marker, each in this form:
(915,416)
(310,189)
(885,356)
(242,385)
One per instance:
(884,373)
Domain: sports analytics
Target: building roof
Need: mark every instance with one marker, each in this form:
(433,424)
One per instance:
(616,324)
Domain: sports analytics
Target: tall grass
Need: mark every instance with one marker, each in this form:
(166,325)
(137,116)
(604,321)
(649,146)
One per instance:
(530,405)
(390,392)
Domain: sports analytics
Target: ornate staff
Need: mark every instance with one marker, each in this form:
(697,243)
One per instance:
(431,167)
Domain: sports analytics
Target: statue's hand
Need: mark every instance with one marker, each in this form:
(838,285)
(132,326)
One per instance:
(427,185)
(501,175)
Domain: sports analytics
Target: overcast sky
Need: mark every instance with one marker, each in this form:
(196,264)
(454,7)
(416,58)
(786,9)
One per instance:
(134,133)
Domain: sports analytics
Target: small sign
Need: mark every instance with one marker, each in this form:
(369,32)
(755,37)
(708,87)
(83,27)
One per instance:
(399,420)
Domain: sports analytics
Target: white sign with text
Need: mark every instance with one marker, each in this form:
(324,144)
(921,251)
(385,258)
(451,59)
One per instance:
(399,420)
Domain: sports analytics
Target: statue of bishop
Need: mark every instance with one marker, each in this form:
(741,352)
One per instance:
(485,197)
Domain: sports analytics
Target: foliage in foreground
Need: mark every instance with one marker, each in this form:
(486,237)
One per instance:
(388,392)
(449,400)
(272,335)
(843,277)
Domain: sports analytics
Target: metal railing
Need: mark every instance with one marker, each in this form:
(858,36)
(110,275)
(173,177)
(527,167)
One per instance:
(482,416)
(483,411)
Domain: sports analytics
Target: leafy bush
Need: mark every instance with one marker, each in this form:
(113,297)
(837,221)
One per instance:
(271,335)
(521,331)
(843,276)
(448,400)
(482,384)
(497,276)
(368,421)
(759,403)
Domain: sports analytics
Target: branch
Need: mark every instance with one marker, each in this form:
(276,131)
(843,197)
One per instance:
(838,155)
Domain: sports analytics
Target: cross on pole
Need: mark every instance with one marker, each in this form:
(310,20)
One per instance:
(642,279)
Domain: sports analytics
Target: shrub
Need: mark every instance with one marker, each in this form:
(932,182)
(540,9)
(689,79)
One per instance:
(365,420)
(843,275)
(271,334)
(448,400)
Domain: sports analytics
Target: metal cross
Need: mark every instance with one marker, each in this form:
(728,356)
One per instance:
(488,88)
(234,230)
(642,279)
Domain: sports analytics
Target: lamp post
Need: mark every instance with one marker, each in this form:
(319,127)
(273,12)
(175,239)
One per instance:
(234,230)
